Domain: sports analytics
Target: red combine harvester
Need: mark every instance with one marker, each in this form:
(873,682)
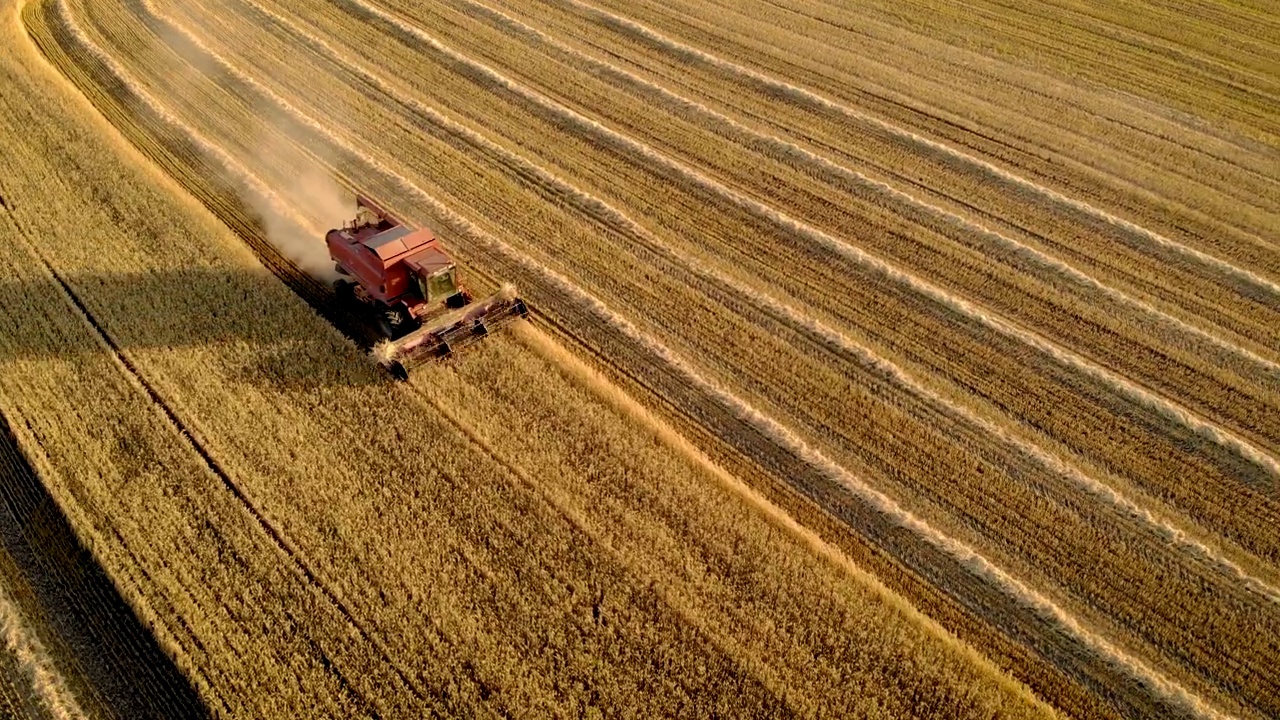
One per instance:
(412,288)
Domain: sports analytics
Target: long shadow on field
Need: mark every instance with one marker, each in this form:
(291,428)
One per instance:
(198,308)
(107,655)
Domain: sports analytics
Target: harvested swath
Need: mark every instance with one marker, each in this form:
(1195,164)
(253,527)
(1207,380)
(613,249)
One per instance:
(565,86)
(745,37)
(1091,241)
(592,206)
(471,496)
(1061,316)
(1163,52)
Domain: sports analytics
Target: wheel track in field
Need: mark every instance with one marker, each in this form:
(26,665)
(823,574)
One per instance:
(639,337)
(193,441)
(747,662)
(29,500)
(1167,408)
(279,537)
(556,194)
(819,333)
(61,20)
(774,86)
(788,151)
(166,685)
(879,503)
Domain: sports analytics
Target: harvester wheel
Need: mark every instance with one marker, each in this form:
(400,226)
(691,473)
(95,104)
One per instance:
(344,290)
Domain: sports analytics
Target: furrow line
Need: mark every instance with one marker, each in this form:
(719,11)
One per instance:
(278,536)
(775,86)
(610,217)
(973,561)
(732,129)
(750,665)
(1168,408)
(193,440)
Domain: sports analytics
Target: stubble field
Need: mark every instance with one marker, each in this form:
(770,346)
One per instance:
(898,361)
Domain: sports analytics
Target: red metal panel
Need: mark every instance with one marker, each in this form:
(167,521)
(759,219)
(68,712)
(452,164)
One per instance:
(376,255)
(429,260)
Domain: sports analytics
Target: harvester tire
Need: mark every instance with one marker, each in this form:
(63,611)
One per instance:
(398,371)
(344,290)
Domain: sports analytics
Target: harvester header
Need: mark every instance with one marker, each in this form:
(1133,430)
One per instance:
(412,289)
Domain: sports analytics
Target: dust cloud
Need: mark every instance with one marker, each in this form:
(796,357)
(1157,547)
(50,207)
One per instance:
(290,187)
(318,202)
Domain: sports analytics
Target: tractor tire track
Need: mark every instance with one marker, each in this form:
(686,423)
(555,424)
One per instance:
(65,31)
(767,427)
(795,93)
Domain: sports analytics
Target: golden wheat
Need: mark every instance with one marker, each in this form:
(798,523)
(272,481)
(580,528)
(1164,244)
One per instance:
(753,351)
(308,537)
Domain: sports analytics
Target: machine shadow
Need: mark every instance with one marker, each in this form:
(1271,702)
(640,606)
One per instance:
(199,307)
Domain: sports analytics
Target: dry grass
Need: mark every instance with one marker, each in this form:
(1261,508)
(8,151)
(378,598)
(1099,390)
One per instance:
(308,538)
(896,443)
(1090,419)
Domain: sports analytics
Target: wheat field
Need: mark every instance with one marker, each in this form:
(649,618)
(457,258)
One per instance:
(906,360)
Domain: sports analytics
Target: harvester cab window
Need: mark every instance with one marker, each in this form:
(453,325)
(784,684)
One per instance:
(440,286)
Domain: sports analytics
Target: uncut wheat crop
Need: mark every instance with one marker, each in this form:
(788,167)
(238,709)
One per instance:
(890,359)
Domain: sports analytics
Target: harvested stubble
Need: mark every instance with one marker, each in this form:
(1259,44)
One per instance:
(309,538)
(673,304)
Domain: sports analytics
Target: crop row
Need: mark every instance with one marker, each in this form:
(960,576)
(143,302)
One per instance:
(1104,148)
(475,562)
(371,114)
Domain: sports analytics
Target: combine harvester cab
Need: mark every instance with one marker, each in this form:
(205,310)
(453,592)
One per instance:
(403,278)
